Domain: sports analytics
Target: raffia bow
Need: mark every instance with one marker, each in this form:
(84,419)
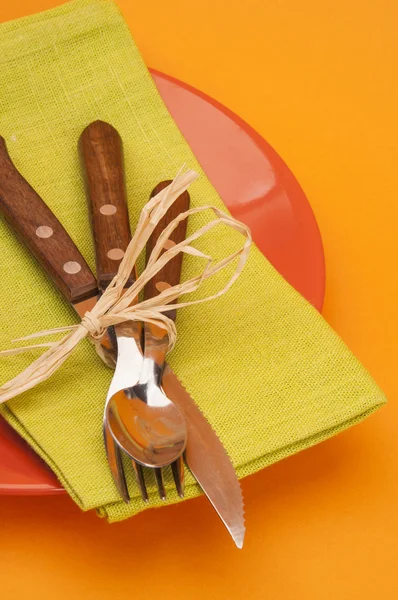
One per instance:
(116,305)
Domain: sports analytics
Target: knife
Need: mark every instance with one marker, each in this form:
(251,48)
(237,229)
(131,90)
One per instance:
(205,455)
(45,237)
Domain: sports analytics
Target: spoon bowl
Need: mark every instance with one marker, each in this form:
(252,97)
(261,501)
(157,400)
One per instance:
(154,434)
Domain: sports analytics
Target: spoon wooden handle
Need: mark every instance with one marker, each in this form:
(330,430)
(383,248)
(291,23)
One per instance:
(42,233)
(101,152)
(171,273)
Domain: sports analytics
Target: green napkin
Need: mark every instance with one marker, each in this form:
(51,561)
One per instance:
(266,369)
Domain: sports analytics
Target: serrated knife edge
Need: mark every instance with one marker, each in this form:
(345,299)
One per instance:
(208,460)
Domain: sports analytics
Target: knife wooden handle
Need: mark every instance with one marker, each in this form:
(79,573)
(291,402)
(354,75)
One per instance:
(42,233)
(101,153)
(171,273)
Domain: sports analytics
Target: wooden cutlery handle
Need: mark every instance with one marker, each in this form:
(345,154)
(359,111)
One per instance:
(42,233)
(101,153)
(171,273)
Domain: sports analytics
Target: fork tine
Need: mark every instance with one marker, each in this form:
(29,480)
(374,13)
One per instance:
(159,483)
(177,468)
(139,475)
(114,457)
(122,484)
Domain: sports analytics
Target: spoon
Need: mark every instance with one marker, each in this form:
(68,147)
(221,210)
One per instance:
(147,425)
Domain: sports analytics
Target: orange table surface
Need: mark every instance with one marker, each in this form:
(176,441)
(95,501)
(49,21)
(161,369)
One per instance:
(319,81)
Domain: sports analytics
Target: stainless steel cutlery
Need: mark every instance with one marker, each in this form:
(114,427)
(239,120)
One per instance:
(139,357)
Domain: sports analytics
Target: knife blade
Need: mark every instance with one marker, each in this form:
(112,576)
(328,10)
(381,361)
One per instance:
(208,460)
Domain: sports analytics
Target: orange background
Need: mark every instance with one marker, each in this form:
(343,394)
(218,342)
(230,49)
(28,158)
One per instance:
(318,79)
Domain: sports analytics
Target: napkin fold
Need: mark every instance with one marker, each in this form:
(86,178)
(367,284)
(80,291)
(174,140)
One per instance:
(265,368)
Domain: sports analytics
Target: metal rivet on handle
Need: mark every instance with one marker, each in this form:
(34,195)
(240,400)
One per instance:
(115,254)
(162,285)
(168,244)
(108,209)
(44,231)
(72,267)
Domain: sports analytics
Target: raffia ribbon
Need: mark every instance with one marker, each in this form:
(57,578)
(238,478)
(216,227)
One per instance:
(116,305)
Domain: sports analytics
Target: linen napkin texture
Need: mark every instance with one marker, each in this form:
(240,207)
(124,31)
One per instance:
(267,371)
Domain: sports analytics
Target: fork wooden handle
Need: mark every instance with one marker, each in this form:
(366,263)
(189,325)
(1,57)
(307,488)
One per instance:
(171,273)
(101,152)
(42,233)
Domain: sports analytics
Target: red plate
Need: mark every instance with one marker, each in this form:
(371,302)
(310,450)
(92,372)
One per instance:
(257,187)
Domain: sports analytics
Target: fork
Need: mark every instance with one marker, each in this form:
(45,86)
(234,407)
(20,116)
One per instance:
(102,160)
(101,156)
